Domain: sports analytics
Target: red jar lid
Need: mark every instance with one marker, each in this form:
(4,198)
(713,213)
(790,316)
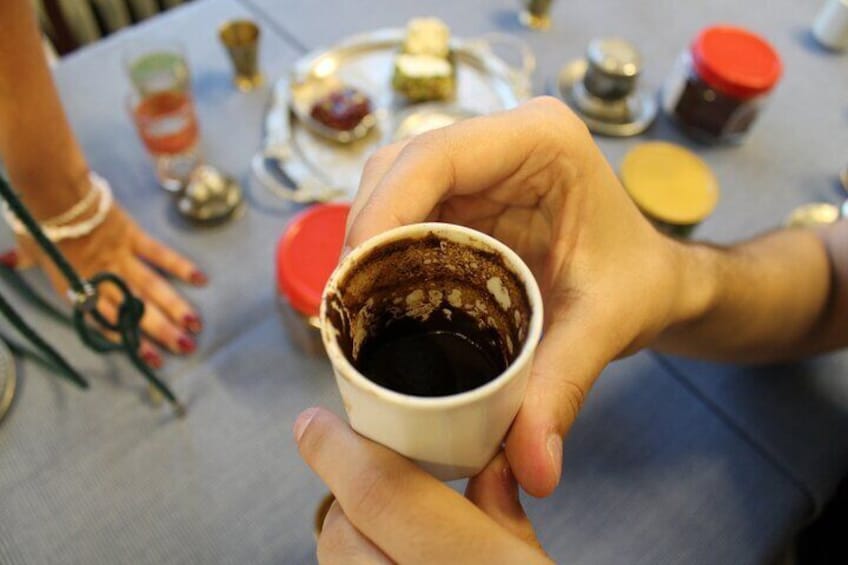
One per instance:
(308,252)
(735,61)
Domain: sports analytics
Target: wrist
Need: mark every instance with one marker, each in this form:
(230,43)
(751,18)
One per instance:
(47,194)
(695,271)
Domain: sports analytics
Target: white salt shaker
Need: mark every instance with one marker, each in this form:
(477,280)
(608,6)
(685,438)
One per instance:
(831,25)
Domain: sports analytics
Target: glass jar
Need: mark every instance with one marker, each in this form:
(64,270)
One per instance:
(719,85)
(307,254)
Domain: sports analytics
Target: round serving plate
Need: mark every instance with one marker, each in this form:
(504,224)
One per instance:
(300,165)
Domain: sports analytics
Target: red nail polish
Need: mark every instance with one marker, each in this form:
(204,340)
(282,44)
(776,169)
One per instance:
(198,278)
(152,358)
(186,344)
(192,323)
(9,259)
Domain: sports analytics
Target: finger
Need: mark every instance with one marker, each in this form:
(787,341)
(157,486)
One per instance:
(148,352)
(340,542)
(558,386)
(465,158)
(495,491)
(373,172)
(154,323)
(10,259)
(168,260)
(156,291)
(409,514)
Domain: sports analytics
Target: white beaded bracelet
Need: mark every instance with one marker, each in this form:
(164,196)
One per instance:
(55,233)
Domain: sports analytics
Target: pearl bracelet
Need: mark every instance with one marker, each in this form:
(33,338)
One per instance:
(56,233)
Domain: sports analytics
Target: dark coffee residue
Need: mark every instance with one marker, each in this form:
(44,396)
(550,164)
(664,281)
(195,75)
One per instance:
(449,350)
(446,354)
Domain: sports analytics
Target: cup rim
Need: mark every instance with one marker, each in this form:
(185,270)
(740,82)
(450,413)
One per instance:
(228,25)
(513,262)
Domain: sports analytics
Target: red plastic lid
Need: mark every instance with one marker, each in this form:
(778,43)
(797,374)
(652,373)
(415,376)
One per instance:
(308,252)
(735,61)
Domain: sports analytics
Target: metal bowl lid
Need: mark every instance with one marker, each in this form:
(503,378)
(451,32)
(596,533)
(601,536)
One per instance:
(812,214)
(307,253)
(210,196)
(625,117)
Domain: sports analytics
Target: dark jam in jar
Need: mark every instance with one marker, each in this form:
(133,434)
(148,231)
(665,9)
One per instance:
(719,86)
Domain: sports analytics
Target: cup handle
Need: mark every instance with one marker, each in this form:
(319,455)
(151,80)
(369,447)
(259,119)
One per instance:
(520,74)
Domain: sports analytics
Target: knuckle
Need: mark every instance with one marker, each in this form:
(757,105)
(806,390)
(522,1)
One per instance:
(376,162)
(573,397)
(374,491)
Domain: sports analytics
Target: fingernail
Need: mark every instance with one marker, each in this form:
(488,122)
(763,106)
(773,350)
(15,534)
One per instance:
(9,259)
(554,445)
(345,250)
(303,421)
(192,323)
(186,344)
(198,278)
(152,358)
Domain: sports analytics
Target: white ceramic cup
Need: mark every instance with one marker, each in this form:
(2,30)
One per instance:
(451,436)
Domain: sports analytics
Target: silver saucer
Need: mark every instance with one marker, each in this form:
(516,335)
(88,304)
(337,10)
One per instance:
(210,196)
(620,118)
(425,117)
(8,379)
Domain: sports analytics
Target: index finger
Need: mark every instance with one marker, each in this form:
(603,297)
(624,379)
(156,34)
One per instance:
(465,158)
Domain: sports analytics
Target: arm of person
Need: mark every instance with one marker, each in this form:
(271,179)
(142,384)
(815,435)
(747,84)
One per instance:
(778,297)
(533,178)
(46,165)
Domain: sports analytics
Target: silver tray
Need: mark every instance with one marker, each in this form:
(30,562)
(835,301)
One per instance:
(296,164)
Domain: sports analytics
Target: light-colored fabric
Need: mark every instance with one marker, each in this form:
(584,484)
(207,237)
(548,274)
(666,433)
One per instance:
(654,472)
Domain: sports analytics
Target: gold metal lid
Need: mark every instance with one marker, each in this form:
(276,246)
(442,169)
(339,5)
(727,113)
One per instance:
(813,214)
(669,183)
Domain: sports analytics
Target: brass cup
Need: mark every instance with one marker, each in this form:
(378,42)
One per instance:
(536,14)
(241,39)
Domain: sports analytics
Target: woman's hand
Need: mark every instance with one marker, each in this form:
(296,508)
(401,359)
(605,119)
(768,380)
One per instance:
(388,510)
(120,246)
(534,179)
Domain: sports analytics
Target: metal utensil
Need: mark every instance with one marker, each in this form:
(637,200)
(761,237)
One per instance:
(210,196)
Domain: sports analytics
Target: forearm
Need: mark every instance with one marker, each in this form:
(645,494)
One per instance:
(41,156)
(781,296)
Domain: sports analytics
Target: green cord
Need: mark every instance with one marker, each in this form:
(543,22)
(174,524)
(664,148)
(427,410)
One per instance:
(66,370)
(17,282)
(85,302)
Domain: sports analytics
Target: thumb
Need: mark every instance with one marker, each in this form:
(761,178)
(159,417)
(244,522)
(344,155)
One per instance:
(568,360)
(495,491)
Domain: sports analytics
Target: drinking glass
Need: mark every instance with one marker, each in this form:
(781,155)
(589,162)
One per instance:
(162,109)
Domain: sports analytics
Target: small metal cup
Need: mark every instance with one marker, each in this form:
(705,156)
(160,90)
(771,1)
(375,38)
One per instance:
(241,39)
(536,14)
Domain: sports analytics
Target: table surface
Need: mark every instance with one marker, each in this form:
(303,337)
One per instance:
(671,461)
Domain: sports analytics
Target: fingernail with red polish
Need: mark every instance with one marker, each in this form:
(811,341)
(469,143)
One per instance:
(186,344)
(198,278)
(152,358)
(9,259)
(192,323)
